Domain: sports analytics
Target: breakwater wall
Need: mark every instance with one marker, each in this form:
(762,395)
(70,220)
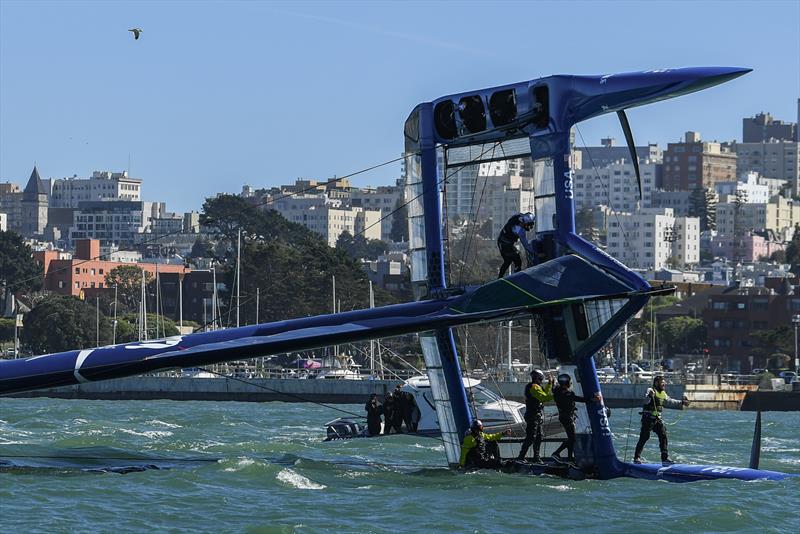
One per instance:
(291,390)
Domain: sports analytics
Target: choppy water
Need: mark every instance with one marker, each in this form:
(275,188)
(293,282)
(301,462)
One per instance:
(246,467)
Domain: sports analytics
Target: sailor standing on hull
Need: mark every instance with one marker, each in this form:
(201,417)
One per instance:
(515,230)
(656,400)
(565,401)
(535,397)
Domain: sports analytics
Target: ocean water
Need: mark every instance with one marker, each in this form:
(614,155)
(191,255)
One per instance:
(165,466)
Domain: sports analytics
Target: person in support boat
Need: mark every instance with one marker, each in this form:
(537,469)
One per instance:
(515,230)
(390,408)
(480,450)
(656,400)
(565,400)
(535,397)
(407,404)
(374,411)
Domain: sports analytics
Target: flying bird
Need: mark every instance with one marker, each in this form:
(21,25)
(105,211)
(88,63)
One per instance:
(136,32)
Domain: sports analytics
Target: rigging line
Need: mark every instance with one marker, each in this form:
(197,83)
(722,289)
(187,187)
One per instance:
(424,190)
(470,398)
(628,434)
(299,397)
(494,381)
(446,217)
(158,237)
(471,231)
(605,189)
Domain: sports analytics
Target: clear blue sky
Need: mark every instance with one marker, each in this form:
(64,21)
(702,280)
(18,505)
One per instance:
(218,94)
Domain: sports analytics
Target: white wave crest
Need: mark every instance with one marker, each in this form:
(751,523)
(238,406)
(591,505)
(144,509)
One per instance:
(287,476)
(162,423)
(241,464)
(152,434)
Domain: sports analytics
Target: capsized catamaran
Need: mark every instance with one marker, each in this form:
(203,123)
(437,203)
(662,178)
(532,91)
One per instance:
(579,296)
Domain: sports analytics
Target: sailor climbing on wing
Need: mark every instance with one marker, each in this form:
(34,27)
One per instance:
(515,230)
(656,400)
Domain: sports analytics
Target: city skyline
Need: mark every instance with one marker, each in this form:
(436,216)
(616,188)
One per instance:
(221,95)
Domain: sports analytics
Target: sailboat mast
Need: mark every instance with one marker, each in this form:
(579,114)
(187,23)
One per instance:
(143,318)
(511,376)
(213,298)
(158,298)
(371,341)
(238,275)
(180,303)
(333,277)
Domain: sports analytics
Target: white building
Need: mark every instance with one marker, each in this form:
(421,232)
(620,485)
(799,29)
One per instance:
(648,238)
(748,187)
(113,222)
(678,201)
(773,159)
(615,185)
(103,185)
(329,218)
(779,215)
(383,198)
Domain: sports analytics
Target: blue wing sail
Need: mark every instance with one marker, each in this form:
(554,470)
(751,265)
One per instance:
(530,291)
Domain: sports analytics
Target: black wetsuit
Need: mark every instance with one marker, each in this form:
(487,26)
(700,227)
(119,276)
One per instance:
(506,243)
(390,409)
(408,405)
(374,411)
(534,418)
(567,411)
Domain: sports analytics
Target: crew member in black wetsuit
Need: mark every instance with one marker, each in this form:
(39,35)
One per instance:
(656,399)
(535,397)
(390,408)
(565,401)
(515,230)
(374,411)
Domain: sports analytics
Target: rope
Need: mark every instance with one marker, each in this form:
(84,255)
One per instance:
(628,434)
(471,226)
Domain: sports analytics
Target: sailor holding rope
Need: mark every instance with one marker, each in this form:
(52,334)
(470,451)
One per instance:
(656,400)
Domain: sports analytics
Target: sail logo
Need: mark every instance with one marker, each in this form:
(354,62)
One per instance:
(568,183)
(605,429)
(721,469)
